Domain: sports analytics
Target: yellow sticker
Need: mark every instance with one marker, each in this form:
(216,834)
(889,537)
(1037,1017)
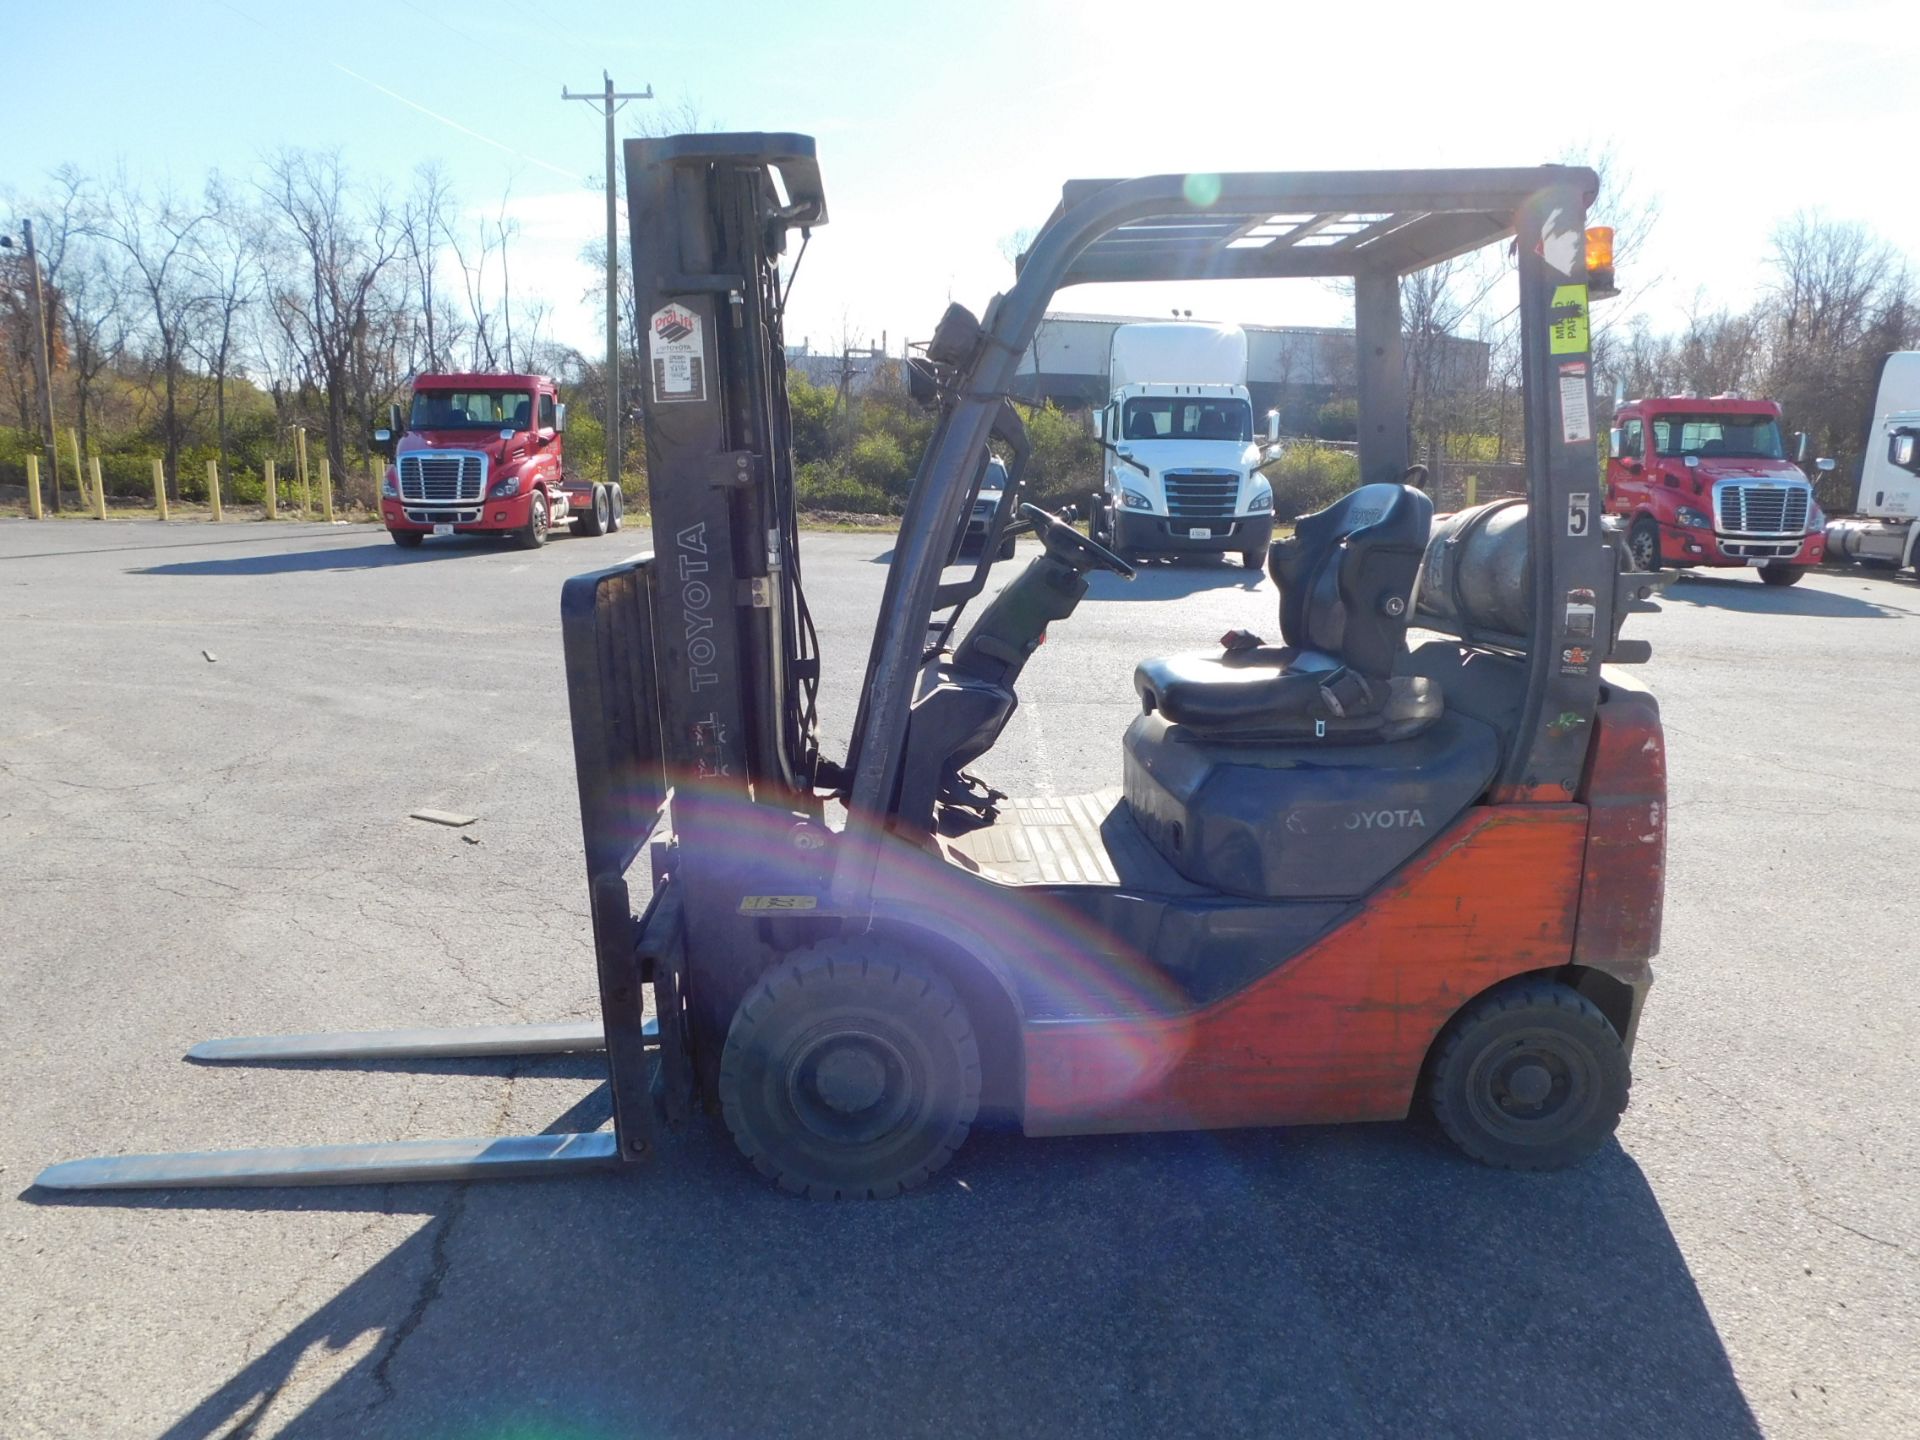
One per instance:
(1569,333)
(754,904)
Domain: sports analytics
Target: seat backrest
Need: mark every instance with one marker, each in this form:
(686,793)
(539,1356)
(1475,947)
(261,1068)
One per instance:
(522,414)
(1346,575)
(1140,426)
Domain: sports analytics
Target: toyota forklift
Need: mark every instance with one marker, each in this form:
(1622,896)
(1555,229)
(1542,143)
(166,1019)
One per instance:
(1341,877)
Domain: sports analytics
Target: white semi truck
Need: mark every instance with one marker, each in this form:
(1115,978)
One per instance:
(1886,527)
(1182,467)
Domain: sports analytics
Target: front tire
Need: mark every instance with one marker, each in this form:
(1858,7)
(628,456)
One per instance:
(533,534)
(849,1073)
(1531,1076)
(1643,545)
(407,539)
(1782,574)
(1252,559)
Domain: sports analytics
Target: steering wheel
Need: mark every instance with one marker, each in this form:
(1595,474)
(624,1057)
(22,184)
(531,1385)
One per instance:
(1070,546)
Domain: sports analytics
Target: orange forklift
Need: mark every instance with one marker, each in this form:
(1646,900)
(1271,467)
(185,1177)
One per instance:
(1340,876)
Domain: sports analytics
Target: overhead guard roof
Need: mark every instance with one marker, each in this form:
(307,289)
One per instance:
(1307,223)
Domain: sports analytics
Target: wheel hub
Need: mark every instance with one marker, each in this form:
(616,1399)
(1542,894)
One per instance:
(850,1086)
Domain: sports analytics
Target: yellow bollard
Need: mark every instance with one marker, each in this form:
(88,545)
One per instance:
(213,486)
(300,460)
(160,488)
(79,470)
(273,492)
(99,489)
(33,487)
(326,489)
(1473,490)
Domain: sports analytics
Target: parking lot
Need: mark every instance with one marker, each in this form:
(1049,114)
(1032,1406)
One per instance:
(210,742)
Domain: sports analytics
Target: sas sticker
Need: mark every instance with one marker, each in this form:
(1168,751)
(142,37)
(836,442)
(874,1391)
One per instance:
(1568,334)
(761,904)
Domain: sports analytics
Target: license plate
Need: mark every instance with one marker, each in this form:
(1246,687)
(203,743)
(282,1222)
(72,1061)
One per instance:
(1200,532)
(1756,561)
(443,529)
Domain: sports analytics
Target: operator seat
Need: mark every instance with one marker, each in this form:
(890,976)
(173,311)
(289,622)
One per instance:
(1346,581)
(522,415)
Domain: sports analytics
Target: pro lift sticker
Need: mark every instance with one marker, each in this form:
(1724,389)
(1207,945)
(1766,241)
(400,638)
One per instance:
(1576,420)
(678,353)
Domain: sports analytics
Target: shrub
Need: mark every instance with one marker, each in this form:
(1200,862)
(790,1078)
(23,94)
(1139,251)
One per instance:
(1310,477)
(822,485)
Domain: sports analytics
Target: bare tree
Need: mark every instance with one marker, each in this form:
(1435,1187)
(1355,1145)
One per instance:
(1841,299)
(228,258)
(157,236)
(345,243)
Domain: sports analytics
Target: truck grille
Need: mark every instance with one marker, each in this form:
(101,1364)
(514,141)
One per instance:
(444,476)
(1199,495)
(1763,509)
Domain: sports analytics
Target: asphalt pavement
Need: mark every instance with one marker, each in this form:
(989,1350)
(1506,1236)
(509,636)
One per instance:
(210,742)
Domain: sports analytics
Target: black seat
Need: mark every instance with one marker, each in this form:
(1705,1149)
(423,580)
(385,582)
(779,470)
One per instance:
(1345,579)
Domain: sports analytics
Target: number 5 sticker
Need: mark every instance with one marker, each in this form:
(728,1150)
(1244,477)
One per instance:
(1579,512)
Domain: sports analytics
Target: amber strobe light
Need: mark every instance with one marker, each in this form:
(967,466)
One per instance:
(1600,260)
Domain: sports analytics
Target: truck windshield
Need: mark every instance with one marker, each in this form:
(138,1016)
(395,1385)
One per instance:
(1175,417)
(471,410)
(1750,437)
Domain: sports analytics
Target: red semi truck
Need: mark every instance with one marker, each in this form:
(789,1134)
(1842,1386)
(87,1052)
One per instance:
(1709,482)
(485,454)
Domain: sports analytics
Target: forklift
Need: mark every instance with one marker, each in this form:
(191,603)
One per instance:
(1343,877)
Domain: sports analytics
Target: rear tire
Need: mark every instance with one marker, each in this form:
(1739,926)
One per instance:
(533,534)
(407,539)
(597,518)
(1251,559)
(1782,574)
(849,1073)
(1530,1076)
(1643,545)
(618,500)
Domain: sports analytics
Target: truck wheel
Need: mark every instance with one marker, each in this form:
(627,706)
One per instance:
(1006,548)
(534,533)
(1529,1077)
(1252,559)
(1643,545)
(1782,574)
(618,500)
(597,518)
(849,1073)
(407,539)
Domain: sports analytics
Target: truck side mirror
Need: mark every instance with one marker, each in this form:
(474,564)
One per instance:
(395,424)
(1903,450)
(1823,465)
(560,419)
(383,442)
(1615,438)
(1273,427)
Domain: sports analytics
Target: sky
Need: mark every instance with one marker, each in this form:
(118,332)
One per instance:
(946,129)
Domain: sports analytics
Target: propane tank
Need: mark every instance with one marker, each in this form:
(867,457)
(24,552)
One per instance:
(1477,574)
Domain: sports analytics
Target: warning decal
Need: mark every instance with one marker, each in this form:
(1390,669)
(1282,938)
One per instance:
(1568,335)
(1576,421)
(677,350)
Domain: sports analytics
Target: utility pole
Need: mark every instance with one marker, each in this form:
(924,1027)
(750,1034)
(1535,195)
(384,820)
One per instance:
(612,102)
(42,356)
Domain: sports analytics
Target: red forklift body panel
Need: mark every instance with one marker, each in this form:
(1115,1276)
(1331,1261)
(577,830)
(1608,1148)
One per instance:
(1340,1032)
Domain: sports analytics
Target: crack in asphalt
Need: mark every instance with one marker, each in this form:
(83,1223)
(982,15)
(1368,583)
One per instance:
(1808,1196)
(439,1263)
